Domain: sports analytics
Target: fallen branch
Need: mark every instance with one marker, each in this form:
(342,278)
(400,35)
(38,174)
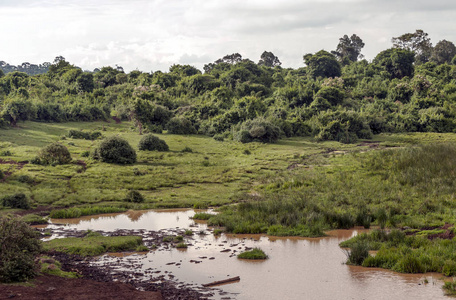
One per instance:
(229,280)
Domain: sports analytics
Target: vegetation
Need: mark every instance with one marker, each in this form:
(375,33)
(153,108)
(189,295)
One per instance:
(19,246)
(388,188)
(406,253)
(255,253)
(76,212)
(53,267)
(53,154)
(115,150)
(77,134)
(152,143)
(134,196)
(93,245)
(18,200)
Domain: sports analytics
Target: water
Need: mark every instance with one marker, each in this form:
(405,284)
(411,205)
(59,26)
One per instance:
(297,268)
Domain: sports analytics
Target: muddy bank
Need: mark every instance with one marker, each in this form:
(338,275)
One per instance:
(150,281)
(53,287)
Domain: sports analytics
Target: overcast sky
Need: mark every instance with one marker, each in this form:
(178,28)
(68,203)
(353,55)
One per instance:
(151,35)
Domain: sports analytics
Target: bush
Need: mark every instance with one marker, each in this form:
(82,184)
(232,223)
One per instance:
(134,196)
(115,150)
(187,149)
(2,175)
(77,134)
(259,130)
(18,200)
(358,253)
(179,125)
(19,245)
(25,179)
(53,154)
(151,142)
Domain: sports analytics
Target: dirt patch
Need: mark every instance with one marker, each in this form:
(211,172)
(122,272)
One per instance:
(53,287)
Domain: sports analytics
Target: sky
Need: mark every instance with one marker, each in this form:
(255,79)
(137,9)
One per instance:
(151,35)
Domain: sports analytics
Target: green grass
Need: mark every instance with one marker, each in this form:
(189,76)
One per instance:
(406,254)
(34,219)
(410,186)
(51,266)
(255,253)
(84,211)
(93,245)
(212,174)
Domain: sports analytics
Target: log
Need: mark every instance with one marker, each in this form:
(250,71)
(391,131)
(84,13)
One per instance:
(229,280)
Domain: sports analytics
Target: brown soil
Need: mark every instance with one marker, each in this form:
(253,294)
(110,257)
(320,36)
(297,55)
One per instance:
(53,287)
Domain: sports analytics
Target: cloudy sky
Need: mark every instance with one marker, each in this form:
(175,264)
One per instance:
(151,35)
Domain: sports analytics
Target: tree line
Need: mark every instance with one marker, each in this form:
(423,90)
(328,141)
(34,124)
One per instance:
(337,95)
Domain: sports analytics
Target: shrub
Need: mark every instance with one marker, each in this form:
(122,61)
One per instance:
(151,142)
(18,200)
(25,179)
(255,253)
(187,149)
(54,154)
(134,196)
(85,153)
(115,150)
(179,125)
(358,253)
(2,175)
(77,134)
(259,130)
(19,245)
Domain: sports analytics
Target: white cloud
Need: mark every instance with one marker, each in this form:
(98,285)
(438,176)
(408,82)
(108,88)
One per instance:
(153,35)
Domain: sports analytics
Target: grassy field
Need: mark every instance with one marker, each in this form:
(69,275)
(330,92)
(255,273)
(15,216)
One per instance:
(213,174)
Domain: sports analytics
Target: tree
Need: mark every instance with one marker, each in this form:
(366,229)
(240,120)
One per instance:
(184,70)
(397,62)
(443,52)
(417,42)
(322,64)
(231,58)
(268,59)
(349,49)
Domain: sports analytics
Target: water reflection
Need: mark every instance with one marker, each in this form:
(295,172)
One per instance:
(298,268)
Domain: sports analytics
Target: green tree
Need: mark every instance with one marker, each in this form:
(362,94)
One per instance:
(443,52)
(268,59)
(417,42)
(322,64)
(349,49)
(398,63)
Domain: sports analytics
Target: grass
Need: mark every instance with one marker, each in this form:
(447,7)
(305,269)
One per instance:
(53,267)
(33,219)
(93,245)
(405,254)
(255,253)
(410,186)
(211,174)
(77,212)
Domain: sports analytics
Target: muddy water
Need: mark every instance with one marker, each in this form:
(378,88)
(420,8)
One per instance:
(297,268)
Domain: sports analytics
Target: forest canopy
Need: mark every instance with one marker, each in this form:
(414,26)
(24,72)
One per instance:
(336,95)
